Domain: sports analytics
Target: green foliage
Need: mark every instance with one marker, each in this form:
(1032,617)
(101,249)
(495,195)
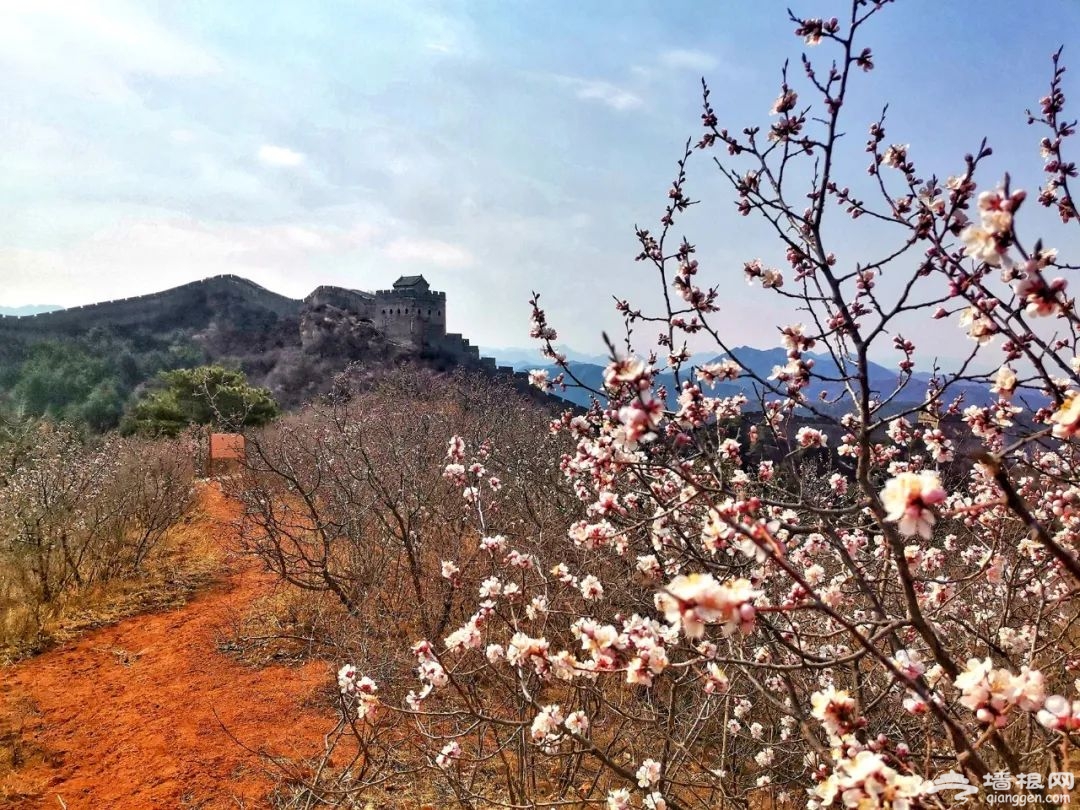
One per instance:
(67,383)
(86,380)
(206,395)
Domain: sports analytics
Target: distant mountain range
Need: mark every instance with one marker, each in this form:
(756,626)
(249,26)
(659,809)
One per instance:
(761,361)
(29,309)
(526,359)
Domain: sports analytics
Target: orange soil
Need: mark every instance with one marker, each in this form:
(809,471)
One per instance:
(130,717)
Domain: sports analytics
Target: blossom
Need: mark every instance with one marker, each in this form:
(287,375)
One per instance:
(346,679)
(910,663)
(719,371)
(618,799)
(695,600)
(538,378)
(649,773)
(866,781)
(811,437)
(524,650)
(979,327)
(449,569)
(835,709)
(648,565)
(988,242)
(641,416)
(450,752)
(1060,714)
(895,155)
(1041,299)
(716,680)
(793,338)
(591,588)
(785,102)
(595,637)
(546,724)
(629,369)
(455,450)
(907,499)
(493,544)
(577,722)
(467,636)
(1066,419)
(490,587)
(991,692)
(771,278)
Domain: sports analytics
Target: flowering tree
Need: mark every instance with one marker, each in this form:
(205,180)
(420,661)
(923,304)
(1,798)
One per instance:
(841,594)
(351,496)
(76,514)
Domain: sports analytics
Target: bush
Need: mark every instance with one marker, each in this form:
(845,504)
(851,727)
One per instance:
(349,497)
(75,515)
(207,395)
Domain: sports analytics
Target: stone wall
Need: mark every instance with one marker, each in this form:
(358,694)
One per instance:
(152,309)
(359,303)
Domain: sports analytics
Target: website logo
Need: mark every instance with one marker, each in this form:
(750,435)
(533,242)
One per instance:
(952,780)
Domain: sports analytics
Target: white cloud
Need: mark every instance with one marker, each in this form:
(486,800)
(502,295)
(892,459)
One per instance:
(429,251)
(94,48)
(608,94)
(279,156)
(685,59)
(182,136)
(112,263)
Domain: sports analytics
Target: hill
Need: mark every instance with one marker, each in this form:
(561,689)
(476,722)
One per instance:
(85,363)
(29,309)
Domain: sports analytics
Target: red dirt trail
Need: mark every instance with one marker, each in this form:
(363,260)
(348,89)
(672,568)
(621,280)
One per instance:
(130,717)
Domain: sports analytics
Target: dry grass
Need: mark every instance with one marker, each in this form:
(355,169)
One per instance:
(286,626)
(184,562)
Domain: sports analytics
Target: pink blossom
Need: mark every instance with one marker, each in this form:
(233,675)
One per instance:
(907,499)
(695,600)
(1066,419)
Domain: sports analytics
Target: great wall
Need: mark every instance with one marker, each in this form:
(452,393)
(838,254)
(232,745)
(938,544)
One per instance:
(409,314)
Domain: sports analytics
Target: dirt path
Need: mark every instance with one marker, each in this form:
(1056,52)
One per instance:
(127,717)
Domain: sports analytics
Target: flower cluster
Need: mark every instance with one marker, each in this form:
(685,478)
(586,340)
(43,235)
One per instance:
(991,692)
(694,601)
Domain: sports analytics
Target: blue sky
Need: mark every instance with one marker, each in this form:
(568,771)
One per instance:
(496,147)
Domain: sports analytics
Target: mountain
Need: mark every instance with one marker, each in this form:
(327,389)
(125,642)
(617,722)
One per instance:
(29,309)
(85,363)
(525,359)
(762,361)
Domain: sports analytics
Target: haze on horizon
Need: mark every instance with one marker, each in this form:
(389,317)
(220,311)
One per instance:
(494,147)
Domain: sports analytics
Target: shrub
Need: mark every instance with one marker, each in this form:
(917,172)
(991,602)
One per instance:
(76,515)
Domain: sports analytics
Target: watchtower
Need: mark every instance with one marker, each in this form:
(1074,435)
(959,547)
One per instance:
(411,312)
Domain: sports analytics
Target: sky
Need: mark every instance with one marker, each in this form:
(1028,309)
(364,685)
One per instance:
(496,147)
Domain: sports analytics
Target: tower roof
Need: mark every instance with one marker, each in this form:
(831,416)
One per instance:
(412,283)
